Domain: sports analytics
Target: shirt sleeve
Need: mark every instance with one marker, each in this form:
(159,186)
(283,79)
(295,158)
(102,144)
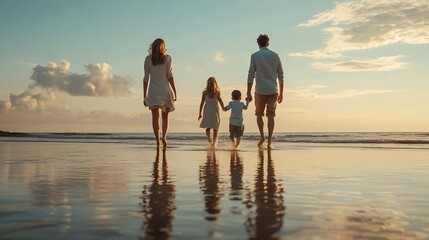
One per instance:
(169,68)
(146,70)
(280,75)
(252,70)
(227,107)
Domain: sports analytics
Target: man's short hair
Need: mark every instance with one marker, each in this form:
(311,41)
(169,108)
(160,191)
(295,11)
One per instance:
(236,94)
(263,40)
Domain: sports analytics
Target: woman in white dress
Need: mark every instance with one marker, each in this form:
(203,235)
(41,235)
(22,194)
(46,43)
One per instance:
(159,91)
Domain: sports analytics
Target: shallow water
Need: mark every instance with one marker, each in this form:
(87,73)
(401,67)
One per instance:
(127,191)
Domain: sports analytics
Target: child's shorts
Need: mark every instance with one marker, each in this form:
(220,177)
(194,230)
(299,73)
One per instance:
(235,131)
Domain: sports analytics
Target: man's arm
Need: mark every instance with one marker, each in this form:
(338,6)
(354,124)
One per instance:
(280,76)
(250,78)
(249,92)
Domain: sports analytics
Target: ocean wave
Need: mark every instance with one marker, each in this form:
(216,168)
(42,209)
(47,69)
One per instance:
(321,138)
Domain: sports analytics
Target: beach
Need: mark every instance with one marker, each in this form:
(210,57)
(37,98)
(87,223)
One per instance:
(77,186)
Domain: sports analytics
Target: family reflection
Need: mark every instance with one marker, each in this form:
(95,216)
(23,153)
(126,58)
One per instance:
(209,184)
(236,173)
(158,201)
(265,218)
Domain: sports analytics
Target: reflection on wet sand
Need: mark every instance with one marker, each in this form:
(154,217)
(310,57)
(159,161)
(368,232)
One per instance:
(158,202)
(236,172)
(209,184)
(265,218)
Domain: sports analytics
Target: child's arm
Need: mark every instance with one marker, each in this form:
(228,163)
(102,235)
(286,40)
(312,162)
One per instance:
(203,99)
(221,102)
(246,105)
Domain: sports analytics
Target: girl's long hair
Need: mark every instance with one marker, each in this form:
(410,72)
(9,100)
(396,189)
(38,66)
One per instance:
(158,51)
(212,89)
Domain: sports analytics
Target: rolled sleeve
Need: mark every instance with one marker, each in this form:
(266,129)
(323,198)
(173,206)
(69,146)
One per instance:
(252,70)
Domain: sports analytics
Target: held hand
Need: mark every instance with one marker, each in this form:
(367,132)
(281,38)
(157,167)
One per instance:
(224,109)
(280,99)
(249,98)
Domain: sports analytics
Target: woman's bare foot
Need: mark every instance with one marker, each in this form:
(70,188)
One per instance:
(164,143)
(261,142)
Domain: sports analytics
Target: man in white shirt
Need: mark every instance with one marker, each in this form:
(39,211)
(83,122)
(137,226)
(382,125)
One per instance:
(265,68)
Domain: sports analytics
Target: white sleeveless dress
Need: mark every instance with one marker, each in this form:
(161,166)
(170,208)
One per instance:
(211,118)
(159,92)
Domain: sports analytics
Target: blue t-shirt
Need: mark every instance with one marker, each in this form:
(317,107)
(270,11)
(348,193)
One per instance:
(236,107)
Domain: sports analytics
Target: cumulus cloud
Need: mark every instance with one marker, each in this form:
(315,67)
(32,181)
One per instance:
(369,24)
(25,101)
(219,57)
(52,78)
(100,82)
(363,65)
(311,93)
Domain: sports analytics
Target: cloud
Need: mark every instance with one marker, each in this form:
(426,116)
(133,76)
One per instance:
(310,93)
(52,78)
(100,82)
(363,65)
(219,57)
(24,101)
(367,24)
(316,54)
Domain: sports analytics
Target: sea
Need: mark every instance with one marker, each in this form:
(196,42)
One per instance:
(283,139)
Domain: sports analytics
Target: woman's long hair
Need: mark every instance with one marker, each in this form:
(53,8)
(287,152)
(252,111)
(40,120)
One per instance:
(158,51)
(212,89)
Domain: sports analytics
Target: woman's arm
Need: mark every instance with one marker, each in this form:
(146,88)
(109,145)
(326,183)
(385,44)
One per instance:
(171,81)
(170,76)
(203,99)
(145,79)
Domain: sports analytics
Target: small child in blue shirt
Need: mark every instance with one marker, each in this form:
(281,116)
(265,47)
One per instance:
(236,126)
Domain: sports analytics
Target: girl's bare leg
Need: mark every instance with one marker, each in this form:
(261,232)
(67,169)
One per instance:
(155,125)
(209,139)
(214,136)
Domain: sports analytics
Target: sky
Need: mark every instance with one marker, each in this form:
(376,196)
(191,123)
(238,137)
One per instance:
(77,66)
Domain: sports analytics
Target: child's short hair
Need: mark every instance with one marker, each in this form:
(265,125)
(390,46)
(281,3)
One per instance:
(236,94)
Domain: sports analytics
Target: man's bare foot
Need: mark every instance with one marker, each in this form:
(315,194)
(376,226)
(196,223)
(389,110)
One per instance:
(164,143)
(261,142)
(270,144)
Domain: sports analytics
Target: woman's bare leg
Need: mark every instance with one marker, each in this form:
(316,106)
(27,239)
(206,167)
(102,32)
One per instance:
(164,127)
(155,125)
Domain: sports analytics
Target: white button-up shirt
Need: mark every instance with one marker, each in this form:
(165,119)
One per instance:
(266,68)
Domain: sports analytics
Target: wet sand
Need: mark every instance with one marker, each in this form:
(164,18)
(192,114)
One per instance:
(126,191)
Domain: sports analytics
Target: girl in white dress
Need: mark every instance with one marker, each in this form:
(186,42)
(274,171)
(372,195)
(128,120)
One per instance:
(159,91)
(210,100)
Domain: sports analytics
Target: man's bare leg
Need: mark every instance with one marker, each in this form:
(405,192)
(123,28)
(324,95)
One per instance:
(260,122)
(270,130)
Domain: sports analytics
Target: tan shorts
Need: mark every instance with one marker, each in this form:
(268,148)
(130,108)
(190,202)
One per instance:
(270,101)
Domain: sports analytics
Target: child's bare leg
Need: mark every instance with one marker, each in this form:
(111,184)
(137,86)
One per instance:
(232,140)
(237,142)
(209,139)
